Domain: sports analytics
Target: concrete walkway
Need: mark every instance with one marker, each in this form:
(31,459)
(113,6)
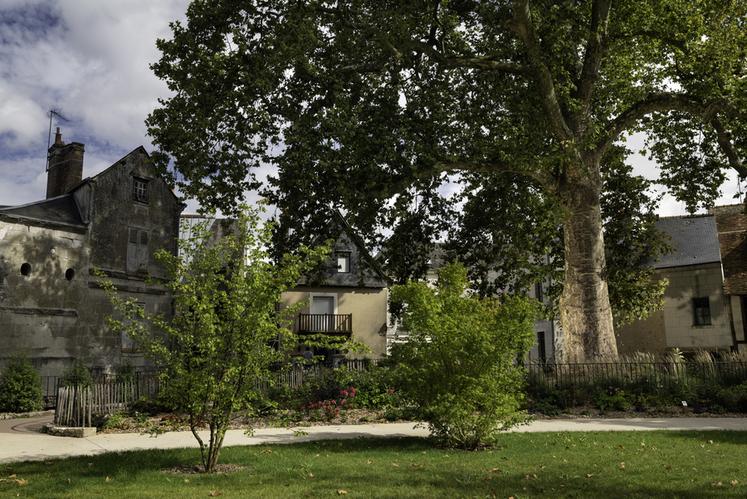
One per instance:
(20,439)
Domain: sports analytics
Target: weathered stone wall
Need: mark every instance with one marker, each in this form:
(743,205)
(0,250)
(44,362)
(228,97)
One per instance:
(40,313)
(673,326)
(54,320)
(113,211)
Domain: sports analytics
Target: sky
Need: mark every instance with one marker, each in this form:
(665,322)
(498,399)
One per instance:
(89,59)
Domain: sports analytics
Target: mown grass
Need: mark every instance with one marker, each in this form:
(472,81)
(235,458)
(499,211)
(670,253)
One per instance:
(598,465)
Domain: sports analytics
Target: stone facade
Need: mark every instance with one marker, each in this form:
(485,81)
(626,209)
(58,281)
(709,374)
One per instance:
(52,309)
(696,314)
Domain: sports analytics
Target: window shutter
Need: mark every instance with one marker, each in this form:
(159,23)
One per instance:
(132,250)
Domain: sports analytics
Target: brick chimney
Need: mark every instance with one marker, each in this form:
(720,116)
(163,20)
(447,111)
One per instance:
(65,169)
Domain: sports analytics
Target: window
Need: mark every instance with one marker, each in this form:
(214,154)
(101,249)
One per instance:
(139,190)
(541,348)
(701,311)
(26,269)
(343,262)
(137,249)
(538,291)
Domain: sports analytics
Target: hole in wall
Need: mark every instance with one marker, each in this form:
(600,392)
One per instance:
(69,274)
(26,268)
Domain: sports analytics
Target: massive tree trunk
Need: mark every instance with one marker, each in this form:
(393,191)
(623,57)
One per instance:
(587,331)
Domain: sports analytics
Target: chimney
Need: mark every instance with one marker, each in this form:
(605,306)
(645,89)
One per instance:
(65,169)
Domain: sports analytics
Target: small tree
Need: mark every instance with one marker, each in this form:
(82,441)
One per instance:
(222,341)
(20,387)
(460,363)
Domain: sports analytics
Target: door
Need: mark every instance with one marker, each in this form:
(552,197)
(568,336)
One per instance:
(322,311)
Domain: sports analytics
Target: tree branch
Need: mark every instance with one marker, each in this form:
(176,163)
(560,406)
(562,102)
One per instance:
(523,27)
(658,102)
(676,102)
(595,48)
(724,141)
(487,167)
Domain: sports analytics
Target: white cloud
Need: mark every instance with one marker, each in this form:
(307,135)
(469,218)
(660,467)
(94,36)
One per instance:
(88,58)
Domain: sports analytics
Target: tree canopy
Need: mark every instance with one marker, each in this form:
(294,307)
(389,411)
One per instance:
(380,108)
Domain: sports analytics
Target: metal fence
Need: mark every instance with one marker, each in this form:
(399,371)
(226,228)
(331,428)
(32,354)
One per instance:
(575,380)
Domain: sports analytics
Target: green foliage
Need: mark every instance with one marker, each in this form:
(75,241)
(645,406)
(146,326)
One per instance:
(77,374)
(223,340)
(20,387)
(459,365)
(632,242)
(613,400)
(403,113)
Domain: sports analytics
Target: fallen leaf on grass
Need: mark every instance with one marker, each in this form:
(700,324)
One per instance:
(215,493)
(589,475)
(734,483)
(496,470)
(108,479)
(621,465)
(342,492)
(717,484)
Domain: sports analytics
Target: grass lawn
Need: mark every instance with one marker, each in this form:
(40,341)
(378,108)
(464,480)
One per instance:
(598,465)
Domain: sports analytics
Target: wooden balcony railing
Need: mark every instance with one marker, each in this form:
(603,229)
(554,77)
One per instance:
(325,323)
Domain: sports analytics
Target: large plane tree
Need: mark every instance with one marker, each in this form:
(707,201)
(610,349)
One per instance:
(381,107)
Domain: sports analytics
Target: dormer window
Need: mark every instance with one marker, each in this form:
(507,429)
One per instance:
(139,190)
(343,262)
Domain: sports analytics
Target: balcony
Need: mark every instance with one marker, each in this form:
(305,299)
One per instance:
(336,324)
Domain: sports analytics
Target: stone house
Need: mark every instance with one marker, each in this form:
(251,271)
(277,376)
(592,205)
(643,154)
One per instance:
(52,309)
(696,314)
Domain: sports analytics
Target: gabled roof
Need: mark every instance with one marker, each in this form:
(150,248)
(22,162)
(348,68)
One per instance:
(694,241)
(358,241)
(138,150)
(60,209)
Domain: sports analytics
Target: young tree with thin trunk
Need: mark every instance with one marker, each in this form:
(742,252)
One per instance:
(374,106)
(223,341)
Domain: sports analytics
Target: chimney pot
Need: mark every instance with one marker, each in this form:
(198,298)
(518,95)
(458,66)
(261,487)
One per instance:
(58,138)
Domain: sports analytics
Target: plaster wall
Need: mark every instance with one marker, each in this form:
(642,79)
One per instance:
(367,305)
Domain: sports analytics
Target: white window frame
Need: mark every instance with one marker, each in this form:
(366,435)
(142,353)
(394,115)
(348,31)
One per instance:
(346,255)
(334,300)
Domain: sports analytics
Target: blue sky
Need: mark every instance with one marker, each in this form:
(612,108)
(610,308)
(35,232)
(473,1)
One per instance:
(89,59)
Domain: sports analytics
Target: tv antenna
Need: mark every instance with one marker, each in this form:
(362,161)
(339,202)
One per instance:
(52,114)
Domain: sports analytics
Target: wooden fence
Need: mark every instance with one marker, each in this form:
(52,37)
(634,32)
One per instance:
(79,405)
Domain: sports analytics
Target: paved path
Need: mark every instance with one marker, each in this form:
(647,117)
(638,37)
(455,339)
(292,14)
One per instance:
(20,439)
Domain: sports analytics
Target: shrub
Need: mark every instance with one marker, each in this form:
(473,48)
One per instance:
(20,387)
(459,366)
(77,374)
(733,398)
(613,400)
(374,386)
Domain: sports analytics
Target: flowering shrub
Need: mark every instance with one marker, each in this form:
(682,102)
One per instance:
(331,408)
